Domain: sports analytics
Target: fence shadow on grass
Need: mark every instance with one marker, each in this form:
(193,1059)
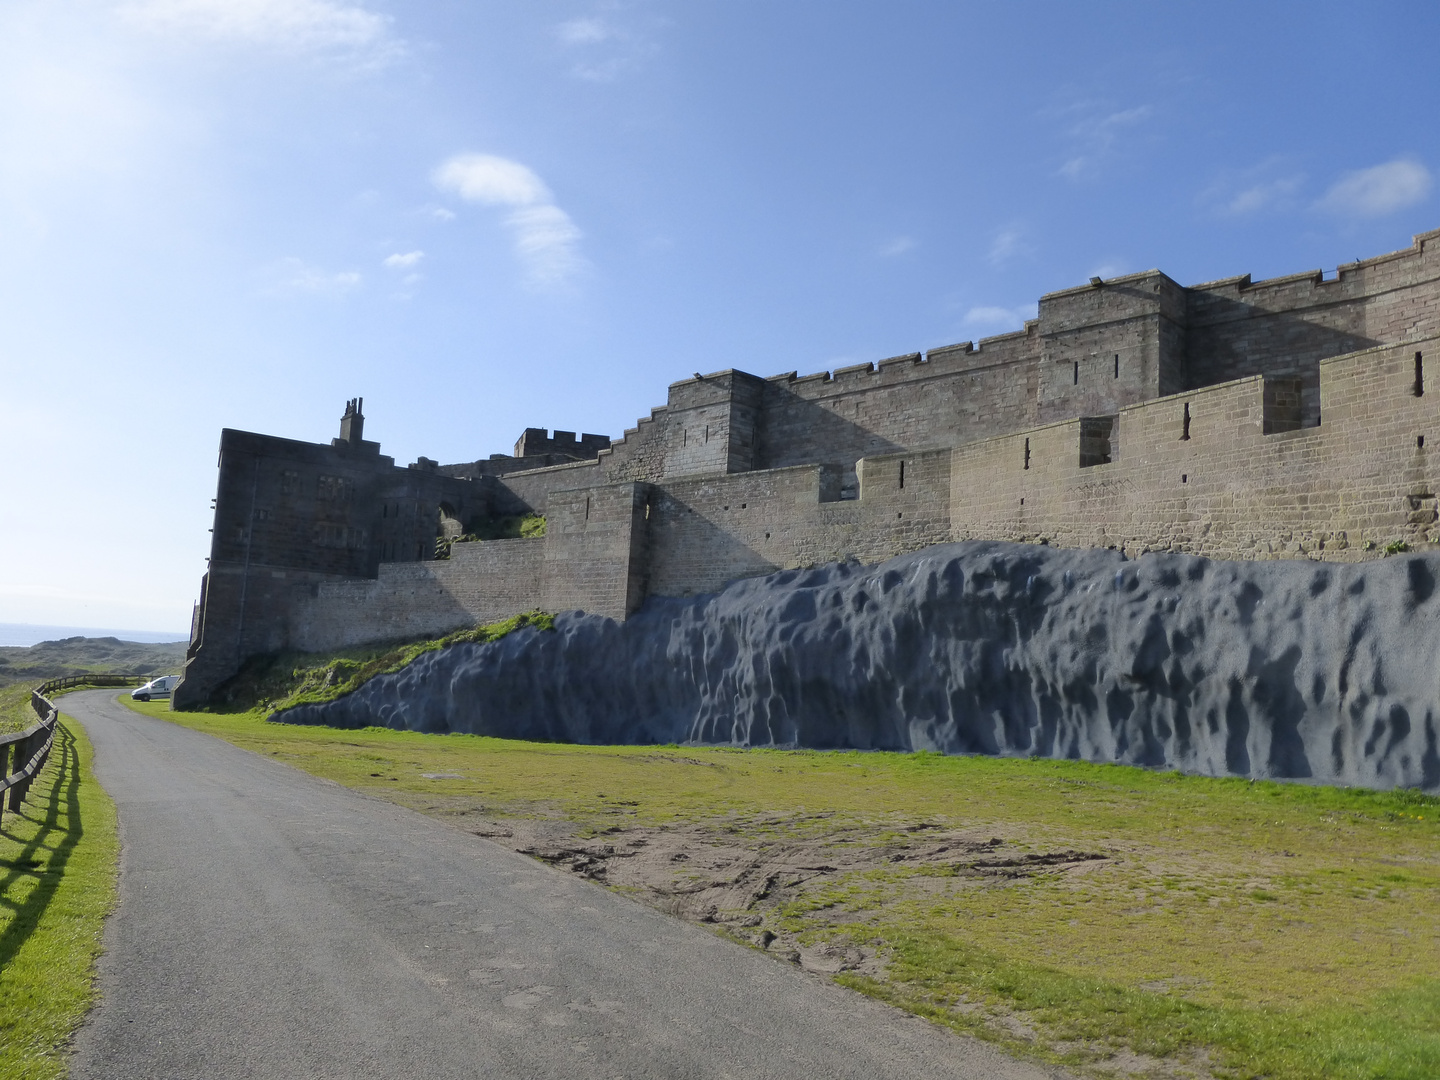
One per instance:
(61,800)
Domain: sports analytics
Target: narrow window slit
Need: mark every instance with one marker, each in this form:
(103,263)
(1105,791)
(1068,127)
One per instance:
(902,474)
(1027,457)
(1117,365)
(1419,389)
(1077,373)
(1185,424)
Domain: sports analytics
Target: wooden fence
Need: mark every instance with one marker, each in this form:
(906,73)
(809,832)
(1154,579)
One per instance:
(26,752)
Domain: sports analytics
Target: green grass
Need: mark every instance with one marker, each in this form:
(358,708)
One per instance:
(58,859)
(16,713)
(1269,930)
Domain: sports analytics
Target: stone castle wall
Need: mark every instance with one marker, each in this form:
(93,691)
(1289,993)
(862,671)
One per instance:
(1304,438)
(1363,480)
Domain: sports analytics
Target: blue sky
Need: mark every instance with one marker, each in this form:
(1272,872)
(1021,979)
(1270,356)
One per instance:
(486,216)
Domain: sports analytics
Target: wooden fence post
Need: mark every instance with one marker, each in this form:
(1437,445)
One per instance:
(17,793)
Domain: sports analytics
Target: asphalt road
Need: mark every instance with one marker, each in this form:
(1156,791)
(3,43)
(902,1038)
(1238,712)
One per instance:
(274,925)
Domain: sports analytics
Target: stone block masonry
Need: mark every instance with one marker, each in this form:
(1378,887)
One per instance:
(1224,471)
(1244,420)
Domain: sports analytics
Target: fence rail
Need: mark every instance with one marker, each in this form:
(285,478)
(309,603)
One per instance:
(28,751)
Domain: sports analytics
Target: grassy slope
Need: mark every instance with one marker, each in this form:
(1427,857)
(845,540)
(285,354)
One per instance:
(16,712)
(1272,930)
(279,681)
(58,859)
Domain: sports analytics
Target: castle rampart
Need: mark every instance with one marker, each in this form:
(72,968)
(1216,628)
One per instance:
(1236,419)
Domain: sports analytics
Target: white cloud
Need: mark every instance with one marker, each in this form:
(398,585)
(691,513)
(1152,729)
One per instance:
(898,246)
(546,239)
(1000,317)
(408,261)
(493,181)
(288,25)
(293,277)
(1379,190)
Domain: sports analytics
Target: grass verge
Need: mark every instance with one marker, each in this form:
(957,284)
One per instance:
(1115,920)
(16,712)
(58,859)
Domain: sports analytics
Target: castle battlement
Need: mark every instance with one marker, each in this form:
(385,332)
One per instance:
(1285,418)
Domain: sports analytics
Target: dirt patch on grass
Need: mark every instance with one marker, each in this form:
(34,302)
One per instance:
(778,884)
(745,877)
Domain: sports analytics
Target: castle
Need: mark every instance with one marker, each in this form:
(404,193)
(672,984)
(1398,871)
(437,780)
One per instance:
(1237,419)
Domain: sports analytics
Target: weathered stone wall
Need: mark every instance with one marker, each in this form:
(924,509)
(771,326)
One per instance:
(292,514)
(1285,326)
(479,583)
(595,550)
(1363,480)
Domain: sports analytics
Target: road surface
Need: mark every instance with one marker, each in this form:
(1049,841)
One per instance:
(273,925)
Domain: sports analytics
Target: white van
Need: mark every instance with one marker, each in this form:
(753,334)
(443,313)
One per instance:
(160,687)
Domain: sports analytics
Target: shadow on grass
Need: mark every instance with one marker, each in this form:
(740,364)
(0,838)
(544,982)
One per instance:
(61,797)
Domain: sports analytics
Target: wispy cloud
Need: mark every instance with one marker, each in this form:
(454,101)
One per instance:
(1378,190)
(1095,129)
(1272,194)
(1008,244)
(1000,318)
(602,50)
(408,261)
(295,277)
(299,26)
(584,31)
(896,246)
(546,239)
(1272,186)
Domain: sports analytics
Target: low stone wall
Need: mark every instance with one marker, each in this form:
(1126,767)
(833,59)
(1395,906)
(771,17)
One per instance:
(481,582)
(1290,669)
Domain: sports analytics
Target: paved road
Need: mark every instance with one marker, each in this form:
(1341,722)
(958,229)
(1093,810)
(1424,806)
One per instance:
(273,925)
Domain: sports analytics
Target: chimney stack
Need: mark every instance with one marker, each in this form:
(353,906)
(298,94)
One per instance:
(352,424)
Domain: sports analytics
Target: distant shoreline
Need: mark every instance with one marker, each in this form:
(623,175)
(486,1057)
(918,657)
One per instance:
(23,635)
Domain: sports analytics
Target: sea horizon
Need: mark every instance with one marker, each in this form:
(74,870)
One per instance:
(23,635)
